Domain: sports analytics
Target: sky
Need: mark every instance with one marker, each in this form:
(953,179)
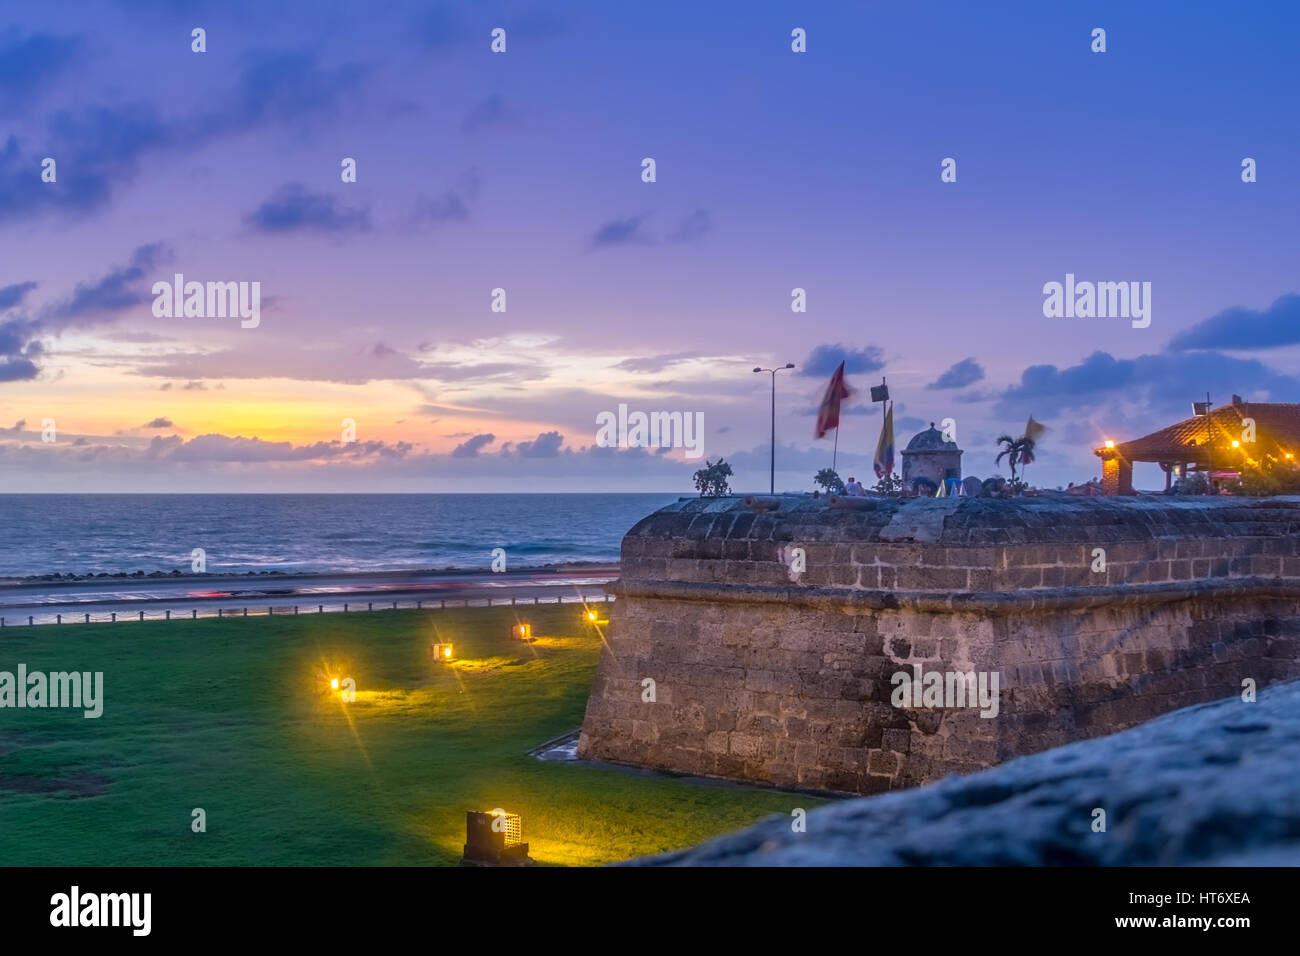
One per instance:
(522,171)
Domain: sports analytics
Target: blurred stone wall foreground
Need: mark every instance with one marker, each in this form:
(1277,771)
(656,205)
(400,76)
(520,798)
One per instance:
(1214,785)
(762,645)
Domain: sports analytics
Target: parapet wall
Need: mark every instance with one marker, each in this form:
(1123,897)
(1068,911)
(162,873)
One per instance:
(770,670)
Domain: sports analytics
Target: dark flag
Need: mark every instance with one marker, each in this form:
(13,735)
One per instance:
(828,416)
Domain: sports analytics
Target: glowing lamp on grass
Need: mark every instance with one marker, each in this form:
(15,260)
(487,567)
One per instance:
(591,616)
(1235,443)
(442,652)
(494,838)
(523,631)
(334,683)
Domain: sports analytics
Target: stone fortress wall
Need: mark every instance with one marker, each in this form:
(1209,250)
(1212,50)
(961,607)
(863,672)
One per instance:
(770,671)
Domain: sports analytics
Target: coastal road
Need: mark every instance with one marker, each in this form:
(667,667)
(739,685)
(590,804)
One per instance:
(185,596)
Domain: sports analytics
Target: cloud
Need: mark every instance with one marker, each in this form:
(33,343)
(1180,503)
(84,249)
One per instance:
(17,370)
(545,445)
(12,295)
(824,359)
(27,64)
(451,206)
(966,372)
(292,208)
(17,428)
(655,363)
(99,148)
(631,229)
(619,232)
(159,422)
(222,448)
(102,299)
(487,112)
(121,289)
(470,449)
(1164,383)
(283,87)
(1241,328)
(695,226)
(441,27)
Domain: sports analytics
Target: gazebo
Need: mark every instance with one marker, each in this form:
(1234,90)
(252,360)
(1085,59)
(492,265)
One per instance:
(1218,443)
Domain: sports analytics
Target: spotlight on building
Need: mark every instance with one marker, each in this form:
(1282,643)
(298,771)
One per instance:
(523,632)
(441,652)
(494,838)
(1109,443)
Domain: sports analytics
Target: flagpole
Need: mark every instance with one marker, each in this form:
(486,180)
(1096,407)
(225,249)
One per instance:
(835,453)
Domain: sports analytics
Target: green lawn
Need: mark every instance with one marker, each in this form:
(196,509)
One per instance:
(231,716)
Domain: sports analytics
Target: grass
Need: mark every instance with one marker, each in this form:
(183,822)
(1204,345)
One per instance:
(233,716)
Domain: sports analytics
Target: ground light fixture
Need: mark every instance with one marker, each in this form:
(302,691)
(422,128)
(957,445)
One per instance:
(334,683)
(523,632)
(494,838)
(441,652)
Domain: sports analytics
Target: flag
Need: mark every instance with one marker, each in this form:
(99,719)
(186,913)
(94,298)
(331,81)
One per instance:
(828,416)
(884,463)
(1033,431)
(943,488)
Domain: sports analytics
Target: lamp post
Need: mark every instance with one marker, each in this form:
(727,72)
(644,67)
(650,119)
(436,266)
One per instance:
(772,470)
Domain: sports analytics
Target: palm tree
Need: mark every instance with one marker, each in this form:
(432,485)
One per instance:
(1017,451)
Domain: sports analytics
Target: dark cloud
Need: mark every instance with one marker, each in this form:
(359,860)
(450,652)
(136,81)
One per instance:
(470,449)
(99,300)
(487,112)
(545,445)
(213,447)
(451,206)
(12,295)
(159,422)
(17,428)
(441,27)
(966,372)
(284,87)
(121,289)
(17,370)
(99,148)
(695,226)
(824,359)
(1164,383)
(1241,328)
(27,64)
(655,363)
(619,232)
(292,208)
(95,150)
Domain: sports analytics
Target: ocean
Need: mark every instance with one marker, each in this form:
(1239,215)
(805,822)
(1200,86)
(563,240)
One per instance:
(122,534)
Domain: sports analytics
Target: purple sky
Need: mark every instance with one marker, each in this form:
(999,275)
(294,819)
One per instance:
(522,171)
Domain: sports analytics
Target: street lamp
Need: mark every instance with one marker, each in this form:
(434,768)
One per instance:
(772,472)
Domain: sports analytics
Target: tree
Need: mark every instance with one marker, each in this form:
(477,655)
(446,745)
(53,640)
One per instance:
(890,484)
(829,479)
(711,480)
(1017,451)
